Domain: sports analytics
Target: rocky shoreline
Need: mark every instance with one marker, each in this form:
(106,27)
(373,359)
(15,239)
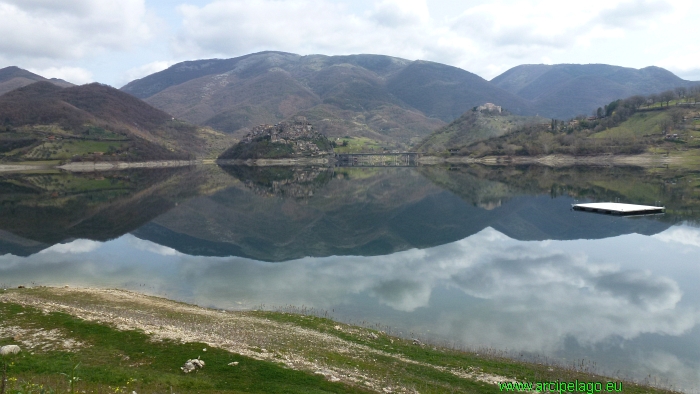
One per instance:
(366,359)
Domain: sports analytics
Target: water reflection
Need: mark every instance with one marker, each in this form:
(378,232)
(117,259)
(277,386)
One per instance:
(481,257)
(280,214)
(53,207)
(564,299)
(369,212)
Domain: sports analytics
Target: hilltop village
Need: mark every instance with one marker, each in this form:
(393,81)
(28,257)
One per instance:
(283,140)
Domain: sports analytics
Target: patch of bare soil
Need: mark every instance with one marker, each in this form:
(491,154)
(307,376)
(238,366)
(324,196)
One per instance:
(37,339)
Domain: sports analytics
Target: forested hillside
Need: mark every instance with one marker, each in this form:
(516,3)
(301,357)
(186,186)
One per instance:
(662,123)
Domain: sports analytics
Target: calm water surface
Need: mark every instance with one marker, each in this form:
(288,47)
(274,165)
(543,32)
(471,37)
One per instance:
(472,256)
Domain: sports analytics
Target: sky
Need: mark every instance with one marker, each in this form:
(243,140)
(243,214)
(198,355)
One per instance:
(115,42)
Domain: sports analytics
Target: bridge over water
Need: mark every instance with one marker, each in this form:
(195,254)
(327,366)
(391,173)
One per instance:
(386,159)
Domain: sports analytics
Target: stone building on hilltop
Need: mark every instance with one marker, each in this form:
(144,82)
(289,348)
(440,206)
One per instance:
(489,107)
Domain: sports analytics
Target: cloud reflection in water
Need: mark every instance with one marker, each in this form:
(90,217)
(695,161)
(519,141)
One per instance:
(524,296)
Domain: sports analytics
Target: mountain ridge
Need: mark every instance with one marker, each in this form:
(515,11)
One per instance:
(374,96)
(563,91)
(383,98)
(13,77)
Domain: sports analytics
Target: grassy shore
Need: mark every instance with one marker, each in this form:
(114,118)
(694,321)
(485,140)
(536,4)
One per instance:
(111,341)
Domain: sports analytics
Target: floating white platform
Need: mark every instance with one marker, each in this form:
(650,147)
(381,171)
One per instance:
(616,208)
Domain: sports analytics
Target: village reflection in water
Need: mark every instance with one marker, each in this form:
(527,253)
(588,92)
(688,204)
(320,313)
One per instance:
(472,256)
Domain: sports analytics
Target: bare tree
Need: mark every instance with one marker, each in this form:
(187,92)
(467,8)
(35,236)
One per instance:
(654,98)
(681,91)
(667,96)
(695,93)
(677,116)
(636,101)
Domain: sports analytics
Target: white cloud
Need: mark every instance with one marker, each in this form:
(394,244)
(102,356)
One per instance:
(74,75)
(145,70)
(544,293)
(70,29)
(485,38)
(148,246)
(225,27)
(77,246)
(502,293)
(395,13)
(635,13)
(681,235)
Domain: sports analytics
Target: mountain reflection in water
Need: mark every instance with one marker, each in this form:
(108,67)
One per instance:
(367,212)
(475,256)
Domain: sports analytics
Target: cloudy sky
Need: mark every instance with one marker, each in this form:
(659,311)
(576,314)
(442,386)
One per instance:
(114,42)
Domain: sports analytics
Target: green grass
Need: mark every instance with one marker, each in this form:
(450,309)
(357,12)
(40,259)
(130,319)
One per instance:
(98,133)
(357,145)
(111,360)
(67,149)
(639,125)
(131,360)
(689,159)
(36,162)
(417,372)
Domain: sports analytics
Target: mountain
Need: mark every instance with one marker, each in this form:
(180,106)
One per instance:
(13,77)
(475,125)
(379,97)
(563,91)
(43,121)
(383,98)
(446,92)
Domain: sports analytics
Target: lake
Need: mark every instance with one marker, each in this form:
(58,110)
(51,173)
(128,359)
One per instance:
(472,257)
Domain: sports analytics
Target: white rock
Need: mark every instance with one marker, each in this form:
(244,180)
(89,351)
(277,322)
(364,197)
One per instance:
(233,364)
(188,367)
(198,363)
(192,365)
(9,349)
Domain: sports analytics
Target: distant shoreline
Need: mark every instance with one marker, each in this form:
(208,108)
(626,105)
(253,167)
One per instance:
(92,166)
(642,160)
